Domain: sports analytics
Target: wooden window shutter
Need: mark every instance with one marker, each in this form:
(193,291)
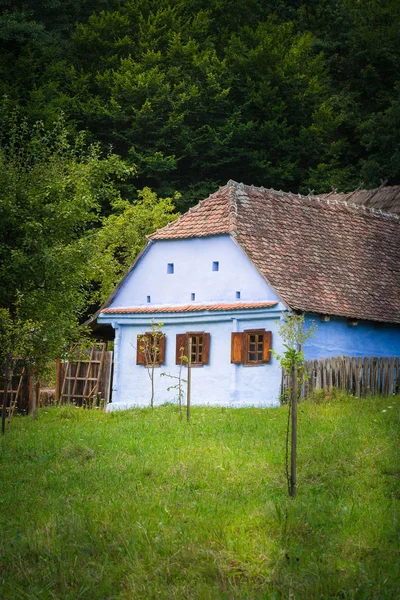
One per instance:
(181,342)
(237,347)
(141,342)
(206,348)
(161,348)
(267,346)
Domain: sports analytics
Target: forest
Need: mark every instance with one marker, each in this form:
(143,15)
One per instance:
(118,114)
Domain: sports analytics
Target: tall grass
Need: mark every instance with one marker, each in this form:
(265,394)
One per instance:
(140,505)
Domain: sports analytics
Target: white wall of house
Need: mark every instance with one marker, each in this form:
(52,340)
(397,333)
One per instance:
(149,283)
(218,383)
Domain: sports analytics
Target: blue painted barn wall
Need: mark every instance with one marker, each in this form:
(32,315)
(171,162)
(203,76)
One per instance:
(336,337)
(219,383)
(193,274)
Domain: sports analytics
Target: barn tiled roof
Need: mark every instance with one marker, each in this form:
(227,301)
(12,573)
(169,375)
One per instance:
(319,255)
(179,308)
(385,198)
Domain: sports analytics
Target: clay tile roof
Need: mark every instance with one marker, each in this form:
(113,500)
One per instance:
(212,216)
(385,198)
(319,254)
(189,308)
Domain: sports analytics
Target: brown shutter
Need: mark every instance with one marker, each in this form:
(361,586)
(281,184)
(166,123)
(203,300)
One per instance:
(141,341)
(237,347)
(181,342)
(161,347)
(206,348)
(267,346)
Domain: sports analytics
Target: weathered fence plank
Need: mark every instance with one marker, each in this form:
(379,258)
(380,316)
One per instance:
(356,375)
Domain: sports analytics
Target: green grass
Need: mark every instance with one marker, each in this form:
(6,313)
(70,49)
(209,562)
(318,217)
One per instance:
(138,505)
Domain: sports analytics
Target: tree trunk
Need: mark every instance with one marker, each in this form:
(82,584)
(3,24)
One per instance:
(5,395)
(152,387)
(33,405)
(292,491)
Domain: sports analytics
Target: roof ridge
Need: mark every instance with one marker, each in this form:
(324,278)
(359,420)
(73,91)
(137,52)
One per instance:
(232,206)
(375,211)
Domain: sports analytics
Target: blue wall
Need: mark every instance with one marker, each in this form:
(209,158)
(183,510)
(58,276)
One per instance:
(336,337)
(192,259)
(219,383)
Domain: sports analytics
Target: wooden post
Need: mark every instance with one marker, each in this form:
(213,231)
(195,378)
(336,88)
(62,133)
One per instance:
(5,395)
(292,491)
(34,400)
(58,380)
(189,379)
(37,394)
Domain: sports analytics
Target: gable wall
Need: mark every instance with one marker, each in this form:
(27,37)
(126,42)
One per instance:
(192,260)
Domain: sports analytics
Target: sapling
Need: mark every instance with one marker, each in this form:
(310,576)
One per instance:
(294,334)
(149,346)
(178,386)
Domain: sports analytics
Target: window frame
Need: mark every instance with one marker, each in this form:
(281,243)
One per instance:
(182,341)
(196,351)
(246,349)
(143,339)
(240,347)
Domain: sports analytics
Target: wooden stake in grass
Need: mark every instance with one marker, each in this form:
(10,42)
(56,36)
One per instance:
(5,395)
(189,378)
(293,449)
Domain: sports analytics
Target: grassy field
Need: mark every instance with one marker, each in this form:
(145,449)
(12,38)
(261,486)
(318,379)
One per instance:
(139,505)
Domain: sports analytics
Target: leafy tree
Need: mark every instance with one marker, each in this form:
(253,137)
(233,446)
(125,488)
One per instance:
(51,190)
(122,236)
(155,81)
(381,137)
(293,94)
(361,45)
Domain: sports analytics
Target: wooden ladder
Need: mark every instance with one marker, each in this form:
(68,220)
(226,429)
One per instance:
(90,379)
(13,394)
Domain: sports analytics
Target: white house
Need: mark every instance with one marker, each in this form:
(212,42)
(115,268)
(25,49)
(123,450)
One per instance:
(224,273)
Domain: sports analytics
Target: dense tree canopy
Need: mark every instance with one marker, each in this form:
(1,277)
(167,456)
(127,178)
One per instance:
(292,95)
(56,246)
(176,97)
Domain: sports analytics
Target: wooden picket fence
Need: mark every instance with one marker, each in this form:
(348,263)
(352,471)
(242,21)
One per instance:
(360,376)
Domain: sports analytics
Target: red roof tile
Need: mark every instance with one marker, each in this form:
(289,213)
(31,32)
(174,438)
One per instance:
(319,255)
(188,308)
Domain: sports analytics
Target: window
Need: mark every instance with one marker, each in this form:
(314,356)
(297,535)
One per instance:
(237,295)
(193,296)
(215,265)
(254,347)
(200,348)
(170,268)
(251,347)
(150,349)
(148,299)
